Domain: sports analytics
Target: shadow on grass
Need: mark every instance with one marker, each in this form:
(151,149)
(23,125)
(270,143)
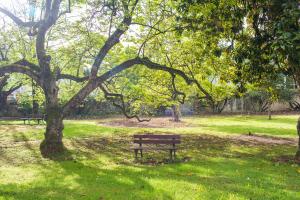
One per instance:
(76,180)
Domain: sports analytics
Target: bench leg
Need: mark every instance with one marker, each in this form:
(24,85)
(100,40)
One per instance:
(24,121)
(141,153)
(171,154)
(174,153)
(135,152)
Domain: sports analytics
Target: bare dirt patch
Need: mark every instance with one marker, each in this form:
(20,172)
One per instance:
(285,159)
(162,122)
(264,139)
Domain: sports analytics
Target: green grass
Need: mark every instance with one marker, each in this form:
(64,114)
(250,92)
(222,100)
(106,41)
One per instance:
(99,165)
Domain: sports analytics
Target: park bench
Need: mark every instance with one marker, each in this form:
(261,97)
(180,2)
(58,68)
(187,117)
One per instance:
(155,142)
(38,119)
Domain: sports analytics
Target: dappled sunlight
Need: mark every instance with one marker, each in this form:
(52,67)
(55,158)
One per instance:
(99,164)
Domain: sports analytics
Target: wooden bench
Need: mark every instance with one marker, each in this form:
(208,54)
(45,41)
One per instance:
(38,119)
(156,142)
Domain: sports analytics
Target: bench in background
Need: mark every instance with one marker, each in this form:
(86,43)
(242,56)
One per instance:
(38,119)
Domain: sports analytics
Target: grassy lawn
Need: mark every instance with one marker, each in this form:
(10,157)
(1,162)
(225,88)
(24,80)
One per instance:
(217,160)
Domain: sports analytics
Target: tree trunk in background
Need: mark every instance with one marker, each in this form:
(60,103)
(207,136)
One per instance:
(176,113)
(3,102)
(298,151)
(270,111)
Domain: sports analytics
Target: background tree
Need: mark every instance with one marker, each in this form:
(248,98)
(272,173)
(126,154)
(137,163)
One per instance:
(263,34)
(269,44)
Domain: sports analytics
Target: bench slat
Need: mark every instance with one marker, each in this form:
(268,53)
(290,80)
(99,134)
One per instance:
(153,148)
(157,141)
(149,136)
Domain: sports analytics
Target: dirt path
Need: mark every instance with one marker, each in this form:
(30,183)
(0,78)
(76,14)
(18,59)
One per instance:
(265,139)
(162,122)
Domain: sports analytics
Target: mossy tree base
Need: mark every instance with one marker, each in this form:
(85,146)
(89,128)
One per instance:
(297,157)
(50,149)
(52,144)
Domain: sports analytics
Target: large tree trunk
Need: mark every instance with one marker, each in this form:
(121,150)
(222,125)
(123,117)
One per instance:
(298,131)
(52,143)
(297,156)
(176,113)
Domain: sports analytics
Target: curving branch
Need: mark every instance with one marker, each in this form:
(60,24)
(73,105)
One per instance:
(116,96)
(26,63)
(176,92)
(72,78)
(110,43)
(16,68)
(92,84)
(113,39)
(17,20)
(11,90)
(95,83)
(152,65)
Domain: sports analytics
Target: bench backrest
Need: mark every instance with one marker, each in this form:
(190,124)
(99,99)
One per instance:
(156,139)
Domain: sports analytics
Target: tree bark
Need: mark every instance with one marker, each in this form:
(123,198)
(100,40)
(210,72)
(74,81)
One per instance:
(270,111)
(297,157)
(176,113)
(52,143)
(3,102)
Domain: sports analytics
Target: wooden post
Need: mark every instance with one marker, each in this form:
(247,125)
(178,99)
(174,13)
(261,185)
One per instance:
(141,147)
(135,152)
(174,148)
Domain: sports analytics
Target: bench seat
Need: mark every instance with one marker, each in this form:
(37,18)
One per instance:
(153,148)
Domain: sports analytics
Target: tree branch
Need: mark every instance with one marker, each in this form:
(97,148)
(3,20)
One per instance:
(51,16)
(16,68)
(113,96)
(11,90)
(73,78)
(17,20)
(95,83)
(26,63)
(113,40)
